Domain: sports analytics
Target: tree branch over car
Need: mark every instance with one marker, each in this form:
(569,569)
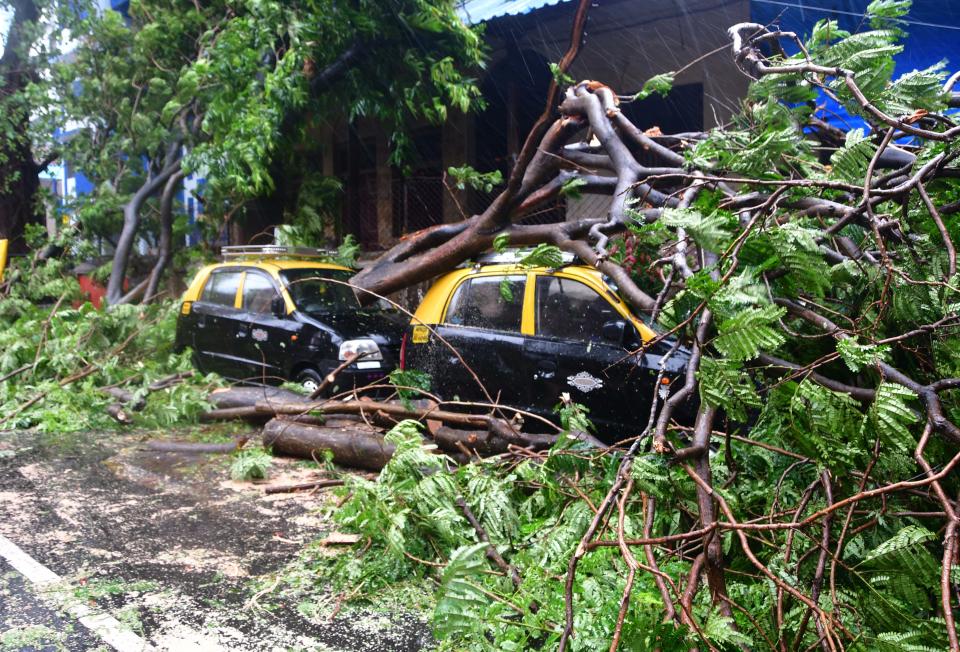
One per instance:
(811,267)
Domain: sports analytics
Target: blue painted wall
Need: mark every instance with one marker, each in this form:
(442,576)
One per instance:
(933,28)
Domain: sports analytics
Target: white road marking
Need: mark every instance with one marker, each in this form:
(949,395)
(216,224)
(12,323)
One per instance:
(50,584)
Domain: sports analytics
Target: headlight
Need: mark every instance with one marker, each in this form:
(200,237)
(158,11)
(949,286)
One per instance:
(356,347)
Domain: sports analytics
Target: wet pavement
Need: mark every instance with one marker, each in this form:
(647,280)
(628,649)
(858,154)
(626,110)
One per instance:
(168,545)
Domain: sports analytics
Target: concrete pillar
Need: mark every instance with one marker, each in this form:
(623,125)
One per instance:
(328,149)
(457,150)
(384,192)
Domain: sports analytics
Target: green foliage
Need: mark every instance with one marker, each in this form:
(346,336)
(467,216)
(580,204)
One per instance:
(543,255)
(405,379)
(891,416)
(466,176)
(710,231)
(251,464)
(312,216)
(347,252)
(129,346)
(857,356)
(243,88)
(744,335)
(559,76)
(461,601)
(850,161)
(660,84)
(724,384)
(572,188)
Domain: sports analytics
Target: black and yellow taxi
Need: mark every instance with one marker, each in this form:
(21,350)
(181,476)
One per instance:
(267,314)
(533,334)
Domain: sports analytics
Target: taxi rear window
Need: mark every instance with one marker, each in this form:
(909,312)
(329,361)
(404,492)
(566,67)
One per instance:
(491,302)
(221,288)
(570,310)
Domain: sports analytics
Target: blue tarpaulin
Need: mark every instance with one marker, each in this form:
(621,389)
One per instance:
(478,11)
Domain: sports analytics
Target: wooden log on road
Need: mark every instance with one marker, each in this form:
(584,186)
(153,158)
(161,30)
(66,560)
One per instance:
(353,447)
(238,397)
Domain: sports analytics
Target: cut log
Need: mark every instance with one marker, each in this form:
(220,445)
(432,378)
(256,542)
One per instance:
(119,413)
(249,413)
(350,447)
(395,410)
(237,397)
(126,398)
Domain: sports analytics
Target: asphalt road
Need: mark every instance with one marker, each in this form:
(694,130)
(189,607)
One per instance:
(166,545)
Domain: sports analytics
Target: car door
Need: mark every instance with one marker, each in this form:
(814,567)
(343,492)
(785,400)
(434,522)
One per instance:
(215,323)
(577,348)
(263,338)
(482,322)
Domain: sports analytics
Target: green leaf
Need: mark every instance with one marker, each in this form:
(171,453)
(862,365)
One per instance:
(460,602)
(908,537)
(660,84)
(710,231)
(543,255)
(562,78)
(858,356)
(724,384)
(571,188)
(891,416)
(744,335)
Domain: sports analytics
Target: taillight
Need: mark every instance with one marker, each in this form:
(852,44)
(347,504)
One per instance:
(403,352)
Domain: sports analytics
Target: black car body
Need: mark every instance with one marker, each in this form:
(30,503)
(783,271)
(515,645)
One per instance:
(532,335)
(271,320)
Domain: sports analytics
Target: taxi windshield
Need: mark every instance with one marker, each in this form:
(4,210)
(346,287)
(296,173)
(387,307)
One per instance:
(313,292)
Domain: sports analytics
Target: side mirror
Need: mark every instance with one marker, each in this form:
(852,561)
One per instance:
(278,307)
(613,331)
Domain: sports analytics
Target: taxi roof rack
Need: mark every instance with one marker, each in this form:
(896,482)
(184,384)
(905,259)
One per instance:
(233,252)
(515,255)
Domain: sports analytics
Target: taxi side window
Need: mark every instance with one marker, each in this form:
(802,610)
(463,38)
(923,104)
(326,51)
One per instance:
(221,288)
(570,310)
(258,293)
(492,302)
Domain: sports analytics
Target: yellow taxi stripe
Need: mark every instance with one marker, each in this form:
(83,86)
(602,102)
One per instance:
(527,322)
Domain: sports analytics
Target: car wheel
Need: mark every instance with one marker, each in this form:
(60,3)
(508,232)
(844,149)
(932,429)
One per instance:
(310,380)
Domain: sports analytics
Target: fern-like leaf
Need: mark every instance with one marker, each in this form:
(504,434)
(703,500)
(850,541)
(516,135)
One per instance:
(744,335)
(890,416)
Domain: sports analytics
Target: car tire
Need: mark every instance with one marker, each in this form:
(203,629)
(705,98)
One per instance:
(310,380)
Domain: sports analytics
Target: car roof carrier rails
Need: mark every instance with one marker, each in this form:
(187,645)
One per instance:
(514,256)
(234,252)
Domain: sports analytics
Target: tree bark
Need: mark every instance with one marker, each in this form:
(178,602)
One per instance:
(165,248)
(362,450)
(131,224)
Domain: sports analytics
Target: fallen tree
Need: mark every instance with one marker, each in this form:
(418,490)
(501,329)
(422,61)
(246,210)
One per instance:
(813,273)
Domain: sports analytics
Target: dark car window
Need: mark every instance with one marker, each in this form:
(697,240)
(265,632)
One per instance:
(258,293)
(221,288)
(313,293)
(494,302)
(570,310)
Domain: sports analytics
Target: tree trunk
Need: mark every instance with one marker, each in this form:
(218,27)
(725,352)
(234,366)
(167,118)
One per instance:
(165,248)
(19,173)
(131,223)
